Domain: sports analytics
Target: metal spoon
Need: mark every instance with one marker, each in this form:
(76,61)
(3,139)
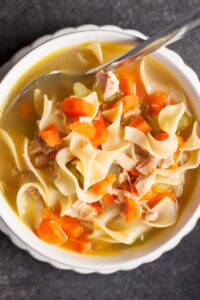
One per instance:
(173,32)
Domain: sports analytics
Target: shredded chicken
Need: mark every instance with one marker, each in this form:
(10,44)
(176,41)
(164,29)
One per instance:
(166,163)
(123,176)
(82,210)
(108,83)
(143,184)
(148,166)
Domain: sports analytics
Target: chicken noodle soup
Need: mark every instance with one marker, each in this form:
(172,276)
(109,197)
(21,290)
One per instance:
(102,163)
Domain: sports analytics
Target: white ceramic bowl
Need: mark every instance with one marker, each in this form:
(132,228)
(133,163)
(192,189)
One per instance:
(22,236)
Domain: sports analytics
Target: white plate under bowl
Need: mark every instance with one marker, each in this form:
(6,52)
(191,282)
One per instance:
(22,237)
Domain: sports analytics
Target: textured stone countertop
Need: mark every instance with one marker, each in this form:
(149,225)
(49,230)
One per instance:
(176,275)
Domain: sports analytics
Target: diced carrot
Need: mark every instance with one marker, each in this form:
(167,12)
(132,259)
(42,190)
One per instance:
(111,177)
(154,110)
(69,225)
(97,207)
(132,211)
(161,136)
(158,197)
(101,133)
(77,107)
(129,102)
(159,99)
(51,232)
(100,188)
(108,199)
(141,124)
(134,171)
(26,110)
(79,245)
(127,84)
(51,136)
(181,141)
(85,129)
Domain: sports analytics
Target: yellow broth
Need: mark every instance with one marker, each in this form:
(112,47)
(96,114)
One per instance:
(59,88)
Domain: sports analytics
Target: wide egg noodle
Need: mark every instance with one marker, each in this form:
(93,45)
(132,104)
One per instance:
(193,142)
(167,210)
(12,149)
(38,100)
(93,163)
(159,149)
(49,116)
(30,207)
(67,183)
(115,134)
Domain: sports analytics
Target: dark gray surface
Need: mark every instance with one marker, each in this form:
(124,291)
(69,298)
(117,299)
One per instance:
(176,275)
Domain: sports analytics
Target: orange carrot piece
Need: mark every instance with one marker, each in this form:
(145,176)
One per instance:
(85,129)
(132,211)
(127,84)
(51,232)
(141,124)
(79,245)
(51,136)
(159,99)
(108,199)
(77,107)
(68,224)
(97,206)
(100,188)
(134,171)
(149,195)
(101,133)
(129,102)
(26,110)
(161,136)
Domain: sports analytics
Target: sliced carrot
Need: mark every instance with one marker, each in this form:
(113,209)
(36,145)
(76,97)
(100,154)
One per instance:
(101,133)
(108,199)
(79,245)
(111,177)
(69,225)
(132,211)
(134,171)
(51,136)
(26,110)
(100,188)
(51,232)
(158,197)
(161,136)
(129,102)
(159,99)
(77,107)
(85,129)
(127,84)
(141,124)
(97,206)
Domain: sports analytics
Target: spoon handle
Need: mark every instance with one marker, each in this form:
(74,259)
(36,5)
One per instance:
(173,32)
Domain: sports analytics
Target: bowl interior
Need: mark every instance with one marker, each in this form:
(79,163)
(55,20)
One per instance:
(154,247)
